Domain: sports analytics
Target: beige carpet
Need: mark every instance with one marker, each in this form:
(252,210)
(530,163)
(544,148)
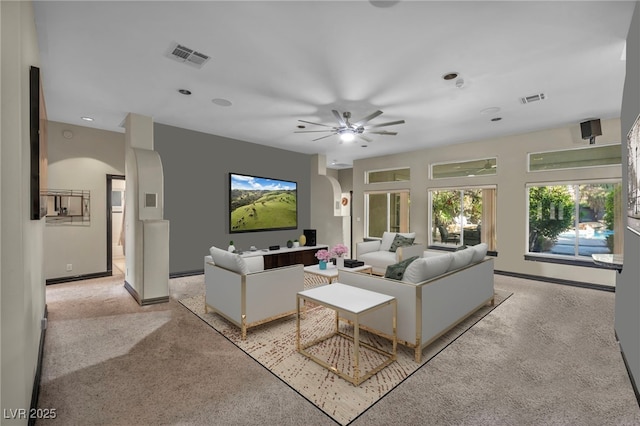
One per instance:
(273,345)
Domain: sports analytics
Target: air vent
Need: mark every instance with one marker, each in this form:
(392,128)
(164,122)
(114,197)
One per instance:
(533,98)
(189,56)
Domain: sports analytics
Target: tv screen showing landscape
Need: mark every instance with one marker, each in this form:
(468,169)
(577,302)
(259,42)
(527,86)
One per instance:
(261,204)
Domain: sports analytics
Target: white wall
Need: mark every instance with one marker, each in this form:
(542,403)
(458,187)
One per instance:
(510,179)
(329,228)
(81,162)
(22,294)
(628,282)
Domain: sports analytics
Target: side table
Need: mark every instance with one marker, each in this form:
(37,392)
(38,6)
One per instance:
(357,302)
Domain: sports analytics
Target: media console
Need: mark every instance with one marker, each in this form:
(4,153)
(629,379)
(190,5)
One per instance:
(288,256)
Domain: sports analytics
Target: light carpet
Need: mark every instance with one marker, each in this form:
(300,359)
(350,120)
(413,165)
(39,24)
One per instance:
(273,345)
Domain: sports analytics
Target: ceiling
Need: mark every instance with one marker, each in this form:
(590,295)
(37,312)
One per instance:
(278,62)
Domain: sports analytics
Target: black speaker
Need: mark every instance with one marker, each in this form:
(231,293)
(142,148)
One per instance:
(590,129)
(310,235)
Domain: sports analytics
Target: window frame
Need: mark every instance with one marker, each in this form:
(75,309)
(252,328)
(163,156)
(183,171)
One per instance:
(461,188)
(581,148)
(575,259)
(388,192)
(366,175)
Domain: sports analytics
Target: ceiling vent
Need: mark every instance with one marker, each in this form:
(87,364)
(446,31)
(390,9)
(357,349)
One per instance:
(533,98)
(191,57)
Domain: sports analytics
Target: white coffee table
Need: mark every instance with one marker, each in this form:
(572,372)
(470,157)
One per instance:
(356,302)
(331,273)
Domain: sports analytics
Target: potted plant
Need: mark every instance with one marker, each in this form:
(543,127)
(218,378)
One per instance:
(339,250)
(289,244)
(323,257)
(296,243)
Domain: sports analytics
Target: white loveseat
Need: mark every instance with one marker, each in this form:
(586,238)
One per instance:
(242,291)
(437,292)
(377,252)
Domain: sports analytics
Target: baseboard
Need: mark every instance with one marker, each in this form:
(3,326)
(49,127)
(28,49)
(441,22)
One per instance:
(35,391)
(601,287)
(186,273)
(133,292)
(61,280)
(626,365)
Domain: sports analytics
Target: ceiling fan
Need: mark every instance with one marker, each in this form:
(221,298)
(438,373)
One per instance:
(348,131)
(488,166)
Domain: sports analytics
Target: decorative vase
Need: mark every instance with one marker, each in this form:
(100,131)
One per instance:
(231,247)
(302,239)
(289,244)
(322,264)
(339,262)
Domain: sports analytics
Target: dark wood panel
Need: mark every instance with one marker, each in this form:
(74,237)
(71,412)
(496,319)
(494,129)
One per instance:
(305,257)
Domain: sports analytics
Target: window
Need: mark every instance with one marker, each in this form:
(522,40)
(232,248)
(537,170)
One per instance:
(463,216)
(386,211)
(395,175)
(473,168)
(575,220)
(597,155)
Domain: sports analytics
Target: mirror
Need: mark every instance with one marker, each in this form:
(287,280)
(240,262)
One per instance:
(68,206)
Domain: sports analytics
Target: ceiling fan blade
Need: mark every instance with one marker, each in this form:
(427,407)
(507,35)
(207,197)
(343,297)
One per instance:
(315,124)
(321,138)
(383,133)
(390,123)
(312,131)
(364,138)
(367,118)
(339,118)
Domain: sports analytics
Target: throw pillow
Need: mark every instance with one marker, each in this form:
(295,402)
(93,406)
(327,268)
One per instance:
(230,261)
(479,252)
(461,258)
(396,271)
(400,241)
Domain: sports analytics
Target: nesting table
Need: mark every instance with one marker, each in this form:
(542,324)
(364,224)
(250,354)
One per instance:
(356,302)
(331,273)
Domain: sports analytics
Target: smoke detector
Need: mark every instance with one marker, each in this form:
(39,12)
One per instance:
(187,55)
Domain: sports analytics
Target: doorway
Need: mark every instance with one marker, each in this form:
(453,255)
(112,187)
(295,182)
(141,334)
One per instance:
(116,264)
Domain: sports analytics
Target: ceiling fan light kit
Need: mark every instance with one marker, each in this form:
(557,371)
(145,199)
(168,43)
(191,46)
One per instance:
(348,131)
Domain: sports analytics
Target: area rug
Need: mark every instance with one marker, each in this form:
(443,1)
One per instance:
(273,345)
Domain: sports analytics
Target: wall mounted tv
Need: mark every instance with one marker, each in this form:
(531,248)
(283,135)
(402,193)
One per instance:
(261,204)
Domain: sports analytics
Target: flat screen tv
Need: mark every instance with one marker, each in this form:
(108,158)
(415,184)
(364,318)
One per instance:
(261,204)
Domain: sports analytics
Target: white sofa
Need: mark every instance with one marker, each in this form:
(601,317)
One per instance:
(437,292)
(242,291)
(377,252)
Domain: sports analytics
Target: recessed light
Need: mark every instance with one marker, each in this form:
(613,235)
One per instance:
(184,92)
(221,102)
(450,76)
(496,119)
(87,118)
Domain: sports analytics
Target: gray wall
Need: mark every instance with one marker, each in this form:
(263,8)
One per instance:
(196,183)
(628,282)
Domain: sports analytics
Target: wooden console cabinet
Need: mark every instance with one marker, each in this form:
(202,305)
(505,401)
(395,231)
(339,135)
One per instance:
(289,256)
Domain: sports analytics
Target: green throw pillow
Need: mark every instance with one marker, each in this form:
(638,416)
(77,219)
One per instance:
(396,271)
(400,241)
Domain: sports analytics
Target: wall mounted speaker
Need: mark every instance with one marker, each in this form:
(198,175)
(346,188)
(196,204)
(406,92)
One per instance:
(590,129)
(310,235)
